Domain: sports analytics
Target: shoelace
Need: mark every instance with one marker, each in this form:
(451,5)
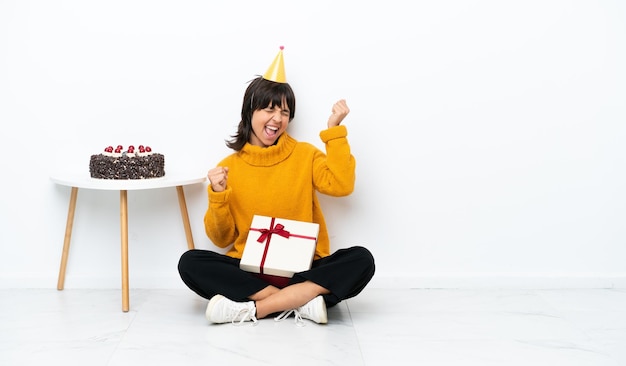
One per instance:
(245,314)
(285,314)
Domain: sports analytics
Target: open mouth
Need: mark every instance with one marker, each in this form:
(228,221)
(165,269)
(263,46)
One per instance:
(271,131)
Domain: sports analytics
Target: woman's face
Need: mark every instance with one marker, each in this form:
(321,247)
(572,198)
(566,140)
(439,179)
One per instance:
(268,124)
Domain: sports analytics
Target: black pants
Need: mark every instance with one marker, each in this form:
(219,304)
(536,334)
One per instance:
(345,273)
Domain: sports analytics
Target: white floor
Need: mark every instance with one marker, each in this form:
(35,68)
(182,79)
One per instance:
(379,327)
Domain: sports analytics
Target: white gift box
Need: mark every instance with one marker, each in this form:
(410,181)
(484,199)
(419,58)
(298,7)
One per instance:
(279,247)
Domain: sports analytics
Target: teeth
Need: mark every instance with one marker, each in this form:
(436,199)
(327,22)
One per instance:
(272,128)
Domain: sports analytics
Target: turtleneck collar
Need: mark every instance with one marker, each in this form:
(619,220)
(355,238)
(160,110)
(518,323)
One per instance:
(271,155)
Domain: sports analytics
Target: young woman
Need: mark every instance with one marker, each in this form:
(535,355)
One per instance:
(272,174)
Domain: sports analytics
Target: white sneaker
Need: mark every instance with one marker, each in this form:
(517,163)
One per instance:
(314,310)
(223,310)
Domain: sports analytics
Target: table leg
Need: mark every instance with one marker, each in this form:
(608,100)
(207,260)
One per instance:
(185,215)
(68,237)
(124,226)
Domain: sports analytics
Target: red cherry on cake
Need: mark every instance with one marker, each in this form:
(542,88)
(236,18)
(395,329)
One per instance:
(142,149)
(148,149)
(109,149)
(131,149)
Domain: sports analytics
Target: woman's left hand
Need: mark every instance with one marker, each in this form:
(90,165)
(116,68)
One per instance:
(340,111)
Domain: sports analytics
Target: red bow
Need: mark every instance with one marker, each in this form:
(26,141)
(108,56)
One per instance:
(278,229)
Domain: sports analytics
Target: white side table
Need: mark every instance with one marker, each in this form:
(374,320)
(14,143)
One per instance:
(83,180)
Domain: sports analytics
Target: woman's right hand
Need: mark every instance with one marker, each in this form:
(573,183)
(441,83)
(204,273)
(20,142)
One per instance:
(218,177)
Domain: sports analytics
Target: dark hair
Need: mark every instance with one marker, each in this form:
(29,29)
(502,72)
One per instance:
(260,94)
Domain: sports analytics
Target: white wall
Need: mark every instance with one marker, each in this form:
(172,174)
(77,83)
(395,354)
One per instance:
(489,135)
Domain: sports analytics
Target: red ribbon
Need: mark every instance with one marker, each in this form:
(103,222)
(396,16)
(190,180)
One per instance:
(267,233)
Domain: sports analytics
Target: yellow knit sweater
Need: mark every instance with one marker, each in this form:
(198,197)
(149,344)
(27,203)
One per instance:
(279,181)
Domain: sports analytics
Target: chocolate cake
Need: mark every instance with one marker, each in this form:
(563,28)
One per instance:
(129,164)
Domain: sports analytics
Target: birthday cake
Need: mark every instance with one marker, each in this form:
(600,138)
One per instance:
(140,163)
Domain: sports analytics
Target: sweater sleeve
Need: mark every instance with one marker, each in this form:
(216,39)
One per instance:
(219,223)
(334,172)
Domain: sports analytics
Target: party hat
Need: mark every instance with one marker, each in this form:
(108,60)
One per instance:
(276,71)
